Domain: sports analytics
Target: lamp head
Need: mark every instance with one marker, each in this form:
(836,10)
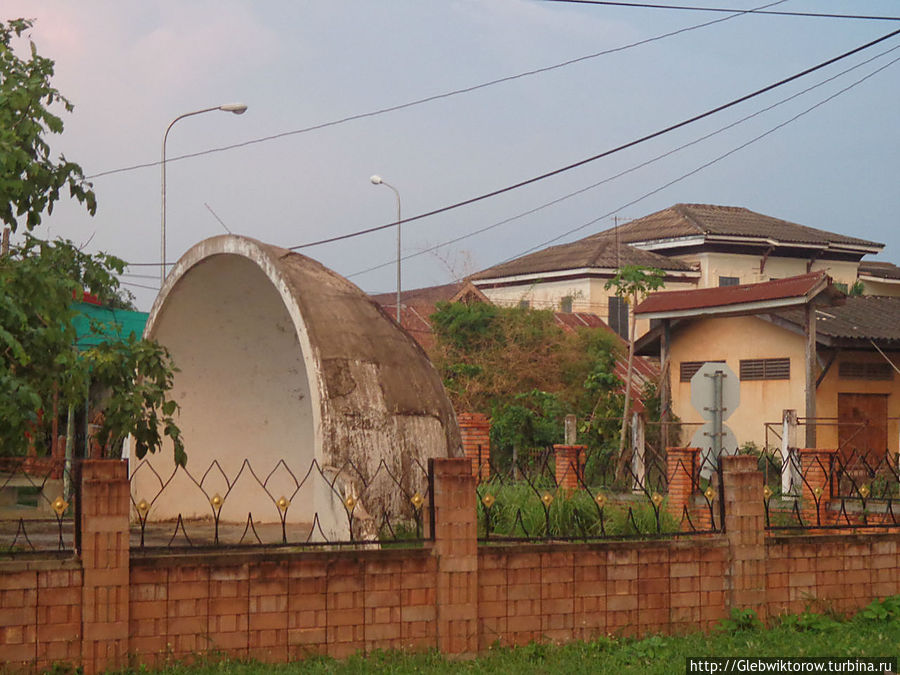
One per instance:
(236,108)
(376,179)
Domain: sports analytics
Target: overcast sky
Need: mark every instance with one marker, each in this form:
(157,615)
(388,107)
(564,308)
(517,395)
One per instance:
(130,68)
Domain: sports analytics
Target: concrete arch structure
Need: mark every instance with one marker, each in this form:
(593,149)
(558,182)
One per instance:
(288,365)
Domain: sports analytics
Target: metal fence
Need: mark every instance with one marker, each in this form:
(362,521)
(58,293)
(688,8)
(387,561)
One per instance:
(242,504)
(37,505)
(585,495)
(830,489)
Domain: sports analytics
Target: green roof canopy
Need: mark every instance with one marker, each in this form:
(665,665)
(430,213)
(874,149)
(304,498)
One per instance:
(119,324)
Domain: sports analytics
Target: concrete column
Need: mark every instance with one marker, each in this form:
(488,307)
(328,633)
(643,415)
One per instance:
(475,430)
(745,530)
(104,551)
(456,549)
(816,466)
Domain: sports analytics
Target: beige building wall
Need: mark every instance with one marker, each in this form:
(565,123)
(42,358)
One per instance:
(732,339)
(746,268)
(548,294)
(588,295)
(881,287)
(833,384)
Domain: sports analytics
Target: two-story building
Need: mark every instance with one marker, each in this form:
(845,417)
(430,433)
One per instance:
(696,246)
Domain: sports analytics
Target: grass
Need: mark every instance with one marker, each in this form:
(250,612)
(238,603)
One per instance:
(518,511)
(874,632)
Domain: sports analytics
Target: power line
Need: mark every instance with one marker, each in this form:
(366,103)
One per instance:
(647,5)
(149,288)
(705,165)
(606,153)
(632,169)
(429,99)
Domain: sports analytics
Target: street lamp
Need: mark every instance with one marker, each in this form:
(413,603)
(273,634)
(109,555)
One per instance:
(237,109)
(376,180)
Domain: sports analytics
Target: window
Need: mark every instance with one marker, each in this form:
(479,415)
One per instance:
(618,315)
(866,371)
(524,304)
(765,369)
(729,281)
(690,368)
(565,305)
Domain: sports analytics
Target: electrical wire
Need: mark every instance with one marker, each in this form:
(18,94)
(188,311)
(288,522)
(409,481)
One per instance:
(703,166)
(646,5)
(632,169)
(606,153)
(149,288)
(429,99)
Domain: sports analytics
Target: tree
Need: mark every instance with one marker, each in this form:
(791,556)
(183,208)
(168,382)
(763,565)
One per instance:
(40,281)
(632,283)
(30,181)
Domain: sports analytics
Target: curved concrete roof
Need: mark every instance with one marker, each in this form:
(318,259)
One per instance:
(282,358)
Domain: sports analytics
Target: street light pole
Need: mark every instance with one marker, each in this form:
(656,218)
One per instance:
(237,109)
(377,180)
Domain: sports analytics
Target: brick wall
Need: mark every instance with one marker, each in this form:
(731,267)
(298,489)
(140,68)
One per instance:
(276,605)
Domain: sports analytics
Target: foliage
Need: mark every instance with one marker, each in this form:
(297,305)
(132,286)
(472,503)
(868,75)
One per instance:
(30,180)
(525,370)
(881,610)
(740,620)
(40,280)
(518,511)
(530,420)
(37,336)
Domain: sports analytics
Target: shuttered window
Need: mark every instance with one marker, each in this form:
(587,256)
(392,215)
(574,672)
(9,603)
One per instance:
(765,369)
(729,281)
(866,371)
(690,368)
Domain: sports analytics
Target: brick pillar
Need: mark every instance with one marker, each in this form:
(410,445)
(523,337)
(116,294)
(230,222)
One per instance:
(104,553)
(569,465)
(456,549)
(680,464)
(816,468)
(475,429)
(745,583)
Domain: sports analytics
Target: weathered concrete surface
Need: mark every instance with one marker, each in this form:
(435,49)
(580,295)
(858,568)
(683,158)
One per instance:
(280,358)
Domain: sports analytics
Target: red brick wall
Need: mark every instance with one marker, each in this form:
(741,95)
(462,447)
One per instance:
(842,572)
(281,606)
(558,593)
(40,612)
(451,595)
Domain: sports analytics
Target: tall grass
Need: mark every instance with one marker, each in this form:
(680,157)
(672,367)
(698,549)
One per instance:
(533,510)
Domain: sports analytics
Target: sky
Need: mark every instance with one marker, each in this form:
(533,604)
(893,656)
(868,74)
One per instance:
(130,68)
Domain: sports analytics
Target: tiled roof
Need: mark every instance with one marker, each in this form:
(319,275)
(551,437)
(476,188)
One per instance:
(416,306)
(882,270)
(686,220)
(429,295)
(723,296)
(594,252)
(861,318)
(644,370)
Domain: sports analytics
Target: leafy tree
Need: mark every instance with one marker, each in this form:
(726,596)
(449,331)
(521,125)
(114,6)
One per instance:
(30,180)
(40,280)
(523,368)
(632,283)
